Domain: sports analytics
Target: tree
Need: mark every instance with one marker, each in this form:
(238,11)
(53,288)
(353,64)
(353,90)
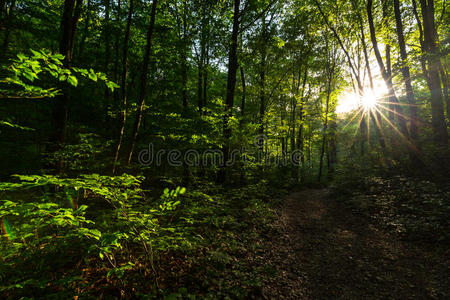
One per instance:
(69,21)
(385,74)
(433,60)
(143,81)
(231,85)
(124,81)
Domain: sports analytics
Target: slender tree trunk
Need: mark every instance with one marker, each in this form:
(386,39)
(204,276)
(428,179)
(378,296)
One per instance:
(107,37)
(392,105)
(205,77)
(405,71)
(7,22)
(375,115)
(200,84)
(124,82)
(182,32)
(116,55)
(184,78)
(86,28)
(444,77)
(69,22)
(300,138)
(201,63)
(422,45)
(293,112)
(325,124)
(231,86)
(143,82)
(243,90)
(2,11)
(262,83)
(433,59)
(332,151)
(384,73)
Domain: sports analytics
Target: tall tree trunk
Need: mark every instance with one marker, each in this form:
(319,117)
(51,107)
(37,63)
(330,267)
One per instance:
(200,83)
(243,90)
(325,123)
(7,23)
(182,34)
(143,82)
(300,138)
(422,45)
(184,79)
(387,50)
(332,151)
(124,82)
(293,112)
(433,59)
(205,76)
(231,86)
(262,83)
(444,77)
(86,28)
(405,71)
(384,73)
(374,115)
(69,22)
(201,63)
(116,54)
(2,11)
(107,37)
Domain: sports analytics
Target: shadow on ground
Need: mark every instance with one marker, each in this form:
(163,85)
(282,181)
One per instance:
(325,251)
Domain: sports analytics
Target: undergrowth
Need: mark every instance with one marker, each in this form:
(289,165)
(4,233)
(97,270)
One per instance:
(101,236)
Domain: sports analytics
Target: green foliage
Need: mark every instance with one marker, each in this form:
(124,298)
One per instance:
(120,219)
(26,69)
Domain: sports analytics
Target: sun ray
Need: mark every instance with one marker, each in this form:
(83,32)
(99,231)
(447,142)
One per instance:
(398,104)
(353,117)
(408,142)
(395,112)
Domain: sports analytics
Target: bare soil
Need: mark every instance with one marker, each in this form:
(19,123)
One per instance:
(323,250)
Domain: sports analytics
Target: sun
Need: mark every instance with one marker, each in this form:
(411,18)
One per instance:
(369,101)
(349,101)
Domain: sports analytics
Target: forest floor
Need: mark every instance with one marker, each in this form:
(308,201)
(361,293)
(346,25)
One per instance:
(324,250)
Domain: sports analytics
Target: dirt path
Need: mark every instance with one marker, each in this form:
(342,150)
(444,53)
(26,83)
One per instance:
(324,251)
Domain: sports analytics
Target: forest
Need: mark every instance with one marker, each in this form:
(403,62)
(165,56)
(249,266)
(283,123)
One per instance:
(224,149)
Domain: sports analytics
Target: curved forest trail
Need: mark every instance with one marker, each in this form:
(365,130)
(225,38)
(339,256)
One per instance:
(325,251)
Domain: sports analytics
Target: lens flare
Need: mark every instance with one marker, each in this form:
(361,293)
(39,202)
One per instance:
(7,229)
(369,101)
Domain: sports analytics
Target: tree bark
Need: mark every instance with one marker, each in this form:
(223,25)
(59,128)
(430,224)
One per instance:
(422,45)
(231,86)
(69,22)
(116,55)
(374,115)
(433,59)
(300,138)
(243,90)
(107,37)
(325,124)
(262,83)
(86,28)
(384,73)
(143,82)
(124,82)
(405,71)
(7,23)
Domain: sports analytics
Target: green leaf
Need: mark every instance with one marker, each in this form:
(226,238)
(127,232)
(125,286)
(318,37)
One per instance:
(72,80)
(36,54)
(21,56)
